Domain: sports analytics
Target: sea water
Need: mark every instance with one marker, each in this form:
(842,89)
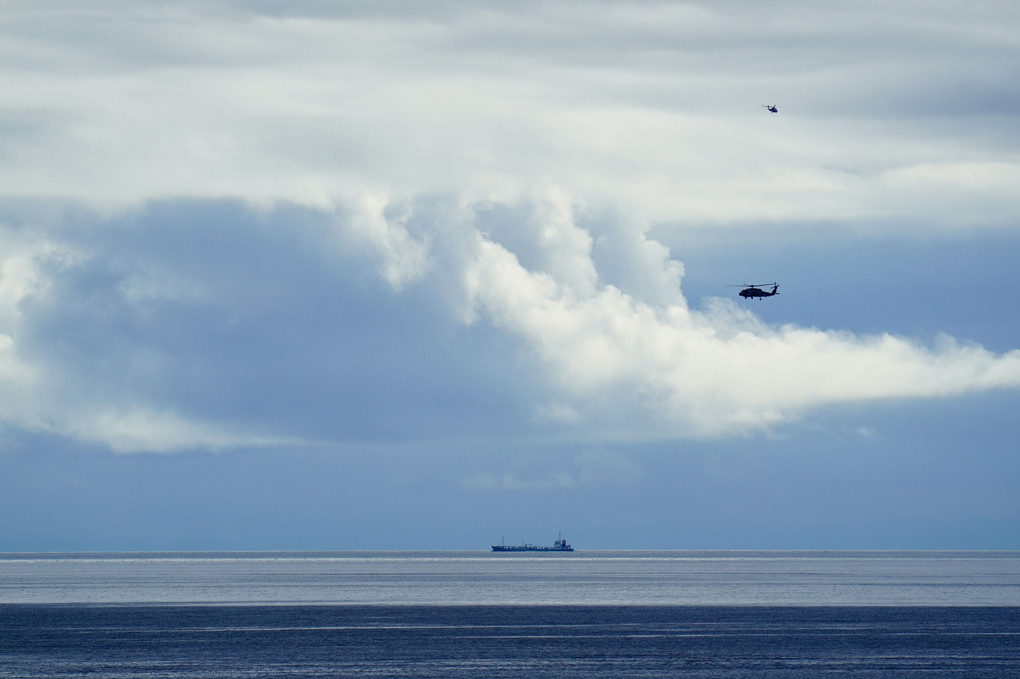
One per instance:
(479,614)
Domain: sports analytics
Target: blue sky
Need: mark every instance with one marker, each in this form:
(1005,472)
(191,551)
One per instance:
(388,275)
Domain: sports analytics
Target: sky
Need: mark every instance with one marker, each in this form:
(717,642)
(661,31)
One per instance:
(400,275)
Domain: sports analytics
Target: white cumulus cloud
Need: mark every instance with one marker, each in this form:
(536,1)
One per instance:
(613,356)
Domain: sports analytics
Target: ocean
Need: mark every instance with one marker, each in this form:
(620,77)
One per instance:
(479,614)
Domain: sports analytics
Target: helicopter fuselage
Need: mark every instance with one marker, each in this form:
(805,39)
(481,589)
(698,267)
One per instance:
(748,293)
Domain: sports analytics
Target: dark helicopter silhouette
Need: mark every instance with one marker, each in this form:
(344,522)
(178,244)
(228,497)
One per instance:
(755,290)
(771,107)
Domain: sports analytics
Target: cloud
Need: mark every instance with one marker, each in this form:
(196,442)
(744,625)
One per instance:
(235,224)
(654,105)
(206,324)
(209,325)
(139,430)
(551,481)
(51,378)
(591,468)
(611,355)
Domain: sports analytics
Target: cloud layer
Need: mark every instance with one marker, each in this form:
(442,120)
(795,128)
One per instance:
(228,226)
(886,112)
(208,325)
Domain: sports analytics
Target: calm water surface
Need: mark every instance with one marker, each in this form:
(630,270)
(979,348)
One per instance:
(478,614)
(581,578)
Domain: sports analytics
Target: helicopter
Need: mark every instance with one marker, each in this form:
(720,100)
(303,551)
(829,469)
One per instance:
(755,290)
(771,107)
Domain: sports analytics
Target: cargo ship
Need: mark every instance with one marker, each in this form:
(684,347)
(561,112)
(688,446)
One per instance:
(559,546)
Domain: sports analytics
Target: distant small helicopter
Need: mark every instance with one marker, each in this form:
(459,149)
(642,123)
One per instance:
(771,107)
(755,290)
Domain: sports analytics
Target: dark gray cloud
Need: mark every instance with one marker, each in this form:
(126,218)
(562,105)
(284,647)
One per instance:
(261,323)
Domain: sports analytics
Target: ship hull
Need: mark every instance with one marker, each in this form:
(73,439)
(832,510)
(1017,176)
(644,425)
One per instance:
(560,545)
